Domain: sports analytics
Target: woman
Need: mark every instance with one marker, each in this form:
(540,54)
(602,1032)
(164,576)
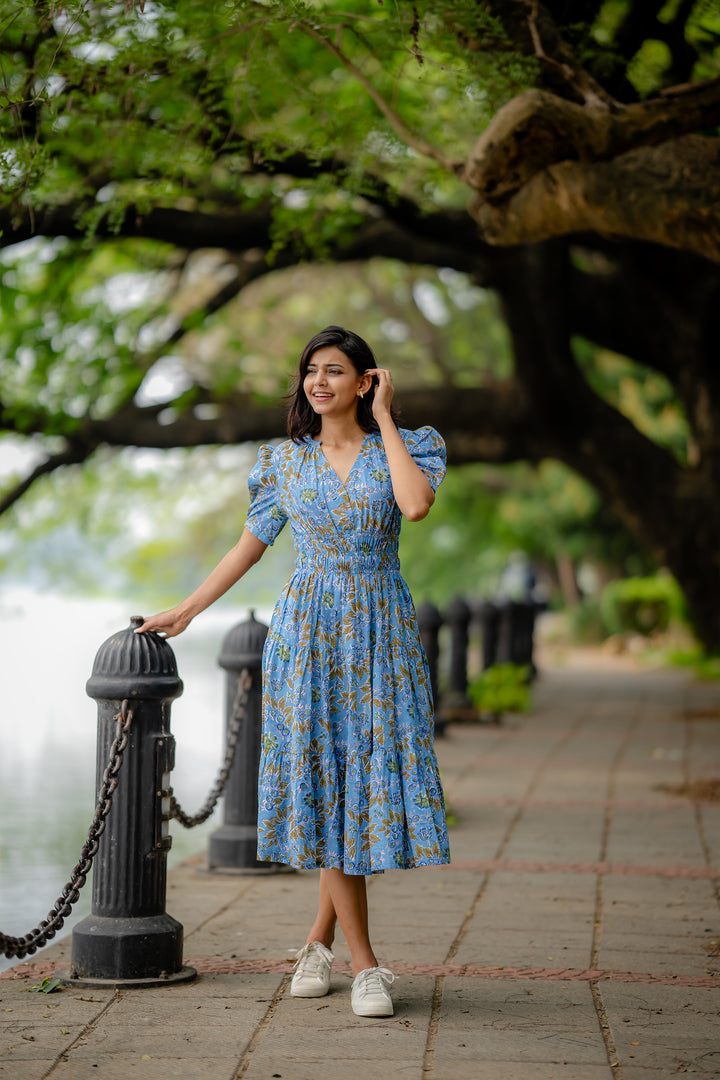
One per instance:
(348,776)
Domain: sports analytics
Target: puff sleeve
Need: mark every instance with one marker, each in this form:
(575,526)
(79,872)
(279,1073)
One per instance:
(265,517)
(427,449)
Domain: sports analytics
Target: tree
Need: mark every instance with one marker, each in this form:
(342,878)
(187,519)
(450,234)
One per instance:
(563,155)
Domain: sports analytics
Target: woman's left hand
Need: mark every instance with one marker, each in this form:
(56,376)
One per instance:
(383,391)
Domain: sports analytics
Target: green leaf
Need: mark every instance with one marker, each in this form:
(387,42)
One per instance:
(47,986)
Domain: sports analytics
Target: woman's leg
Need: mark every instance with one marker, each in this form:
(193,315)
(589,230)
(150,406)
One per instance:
(314,961)
(347,894)
(323,929)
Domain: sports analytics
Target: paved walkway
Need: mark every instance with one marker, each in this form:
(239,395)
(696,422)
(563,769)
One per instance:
(576,935)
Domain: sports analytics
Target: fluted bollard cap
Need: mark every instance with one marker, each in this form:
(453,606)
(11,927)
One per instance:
(242,646)
(130,665)
(429,617)
(458,611)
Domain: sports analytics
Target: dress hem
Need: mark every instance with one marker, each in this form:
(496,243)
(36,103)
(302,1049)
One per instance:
(367,872)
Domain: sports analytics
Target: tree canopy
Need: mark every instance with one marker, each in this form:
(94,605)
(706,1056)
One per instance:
(560,156)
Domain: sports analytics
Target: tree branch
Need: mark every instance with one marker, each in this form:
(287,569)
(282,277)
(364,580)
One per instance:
(414,141)
(237,231)
(76,453)
(487,423)
(536,130)
(563,62)
(533,31)
(444,238)
(483,424)
(249,268)
(669,194)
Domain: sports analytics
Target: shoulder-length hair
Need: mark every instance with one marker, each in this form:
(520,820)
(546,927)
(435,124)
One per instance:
(303,421)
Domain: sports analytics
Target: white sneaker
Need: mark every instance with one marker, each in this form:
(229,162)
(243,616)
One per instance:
(370,992)
(312,971)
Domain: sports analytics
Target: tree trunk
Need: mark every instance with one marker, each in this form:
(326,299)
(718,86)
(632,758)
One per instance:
(673,511)
(567,578)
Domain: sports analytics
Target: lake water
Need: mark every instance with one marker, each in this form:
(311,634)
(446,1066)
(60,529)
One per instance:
(47,742)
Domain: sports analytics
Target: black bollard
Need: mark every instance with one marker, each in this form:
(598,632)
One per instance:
(129,939)
(429,622)
(524,635)
(457,617)
(504,653)
(489,621)
(234,845)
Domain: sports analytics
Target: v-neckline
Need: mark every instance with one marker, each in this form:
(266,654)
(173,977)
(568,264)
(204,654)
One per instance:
(332,468)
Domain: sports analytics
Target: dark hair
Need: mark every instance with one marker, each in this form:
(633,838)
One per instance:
(302,419)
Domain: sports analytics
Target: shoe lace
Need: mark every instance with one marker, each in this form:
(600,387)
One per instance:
(310,961)
(375,980)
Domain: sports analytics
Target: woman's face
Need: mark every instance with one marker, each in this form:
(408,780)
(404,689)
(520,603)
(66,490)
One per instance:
(331,382)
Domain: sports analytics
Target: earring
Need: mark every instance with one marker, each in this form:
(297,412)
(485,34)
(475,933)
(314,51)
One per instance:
(360,393)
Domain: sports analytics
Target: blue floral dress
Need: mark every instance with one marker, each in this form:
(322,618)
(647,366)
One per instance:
(348,774)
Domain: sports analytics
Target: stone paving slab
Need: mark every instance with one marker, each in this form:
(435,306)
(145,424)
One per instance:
(523,900)
(133,1066)
(574,937)
(662,1027)
(709,817)
(666,836)
(562,837)
(538,1023)
(661,961)
(24,1070)
(538,948)
(459,1069)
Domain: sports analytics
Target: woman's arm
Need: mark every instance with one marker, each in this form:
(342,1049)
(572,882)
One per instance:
(228,571)
(411,487)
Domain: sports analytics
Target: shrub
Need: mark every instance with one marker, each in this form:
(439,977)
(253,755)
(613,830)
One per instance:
(641,605)
(586,623)
(502,688)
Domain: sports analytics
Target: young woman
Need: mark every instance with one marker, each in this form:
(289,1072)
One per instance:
(348,777)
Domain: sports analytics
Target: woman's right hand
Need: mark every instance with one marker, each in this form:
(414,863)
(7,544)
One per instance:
(167,623)
(228,571)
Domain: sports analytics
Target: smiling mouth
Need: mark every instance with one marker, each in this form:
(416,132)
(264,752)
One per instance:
(322,397)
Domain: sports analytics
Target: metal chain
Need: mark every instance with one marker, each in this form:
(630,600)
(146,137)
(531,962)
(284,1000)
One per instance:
(235,725)
(30,943)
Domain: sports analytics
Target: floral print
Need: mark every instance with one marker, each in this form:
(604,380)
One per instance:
(348,774)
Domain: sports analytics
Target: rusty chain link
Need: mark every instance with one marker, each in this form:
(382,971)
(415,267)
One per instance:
(235,725)
(30,943)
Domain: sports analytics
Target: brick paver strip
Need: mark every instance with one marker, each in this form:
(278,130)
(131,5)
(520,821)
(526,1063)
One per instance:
(475,971)
(631,869)
(679,802)
(220,966)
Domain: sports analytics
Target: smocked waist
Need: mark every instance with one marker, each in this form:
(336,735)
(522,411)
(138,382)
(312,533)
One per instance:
(348,562)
